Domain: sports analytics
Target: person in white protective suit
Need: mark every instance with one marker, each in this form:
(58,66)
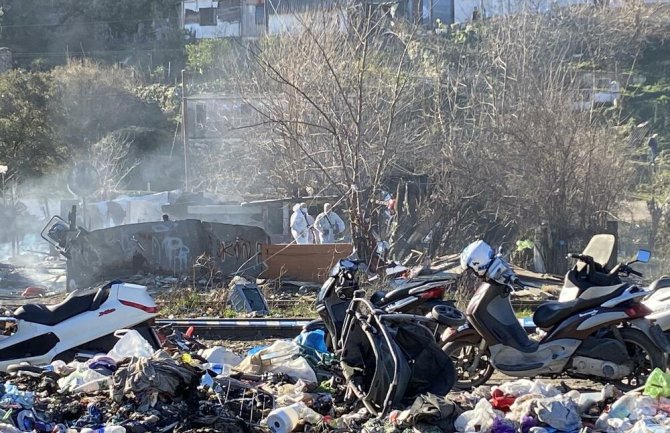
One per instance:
(302,225)
(328,224)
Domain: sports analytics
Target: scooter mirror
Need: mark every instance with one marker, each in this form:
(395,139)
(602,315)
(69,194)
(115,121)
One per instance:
(643,256)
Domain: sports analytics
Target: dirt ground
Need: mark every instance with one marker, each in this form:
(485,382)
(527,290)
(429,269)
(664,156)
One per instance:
(578,384)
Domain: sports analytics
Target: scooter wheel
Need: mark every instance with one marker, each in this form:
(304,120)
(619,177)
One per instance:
(645,356)
(448,315)
(472,364)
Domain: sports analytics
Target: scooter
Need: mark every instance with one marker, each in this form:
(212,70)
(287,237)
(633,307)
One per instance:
(602,335)
(591,270)
(79,327)
(389,358)
(418,297)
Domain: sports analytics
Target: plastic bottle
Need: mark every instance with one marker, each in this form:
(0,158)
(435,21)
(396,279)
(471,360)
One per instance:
(620,409)
(219,368)
(623,406)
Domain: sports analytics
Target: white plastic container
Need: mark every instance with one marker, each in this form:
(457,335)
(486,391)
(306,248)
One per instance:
(283,420)
(286,419)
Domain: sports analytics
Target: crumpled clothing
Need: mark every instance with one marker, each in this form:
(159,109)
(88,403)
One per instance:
(559,413)
(14,397)
(525,386)
(501,401)
(92,418)
(523,406)
(478,419)
(500,425)
(430,409)
(527,422)
(8,428)
(151,376)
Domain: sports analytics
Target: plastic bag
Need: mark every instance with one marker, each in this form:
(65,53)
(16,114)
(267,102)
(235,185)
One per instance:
(83,379)
(560,413)
(281,357)
(525,386)
(220,355)
(478,419)
(658,384)
(131,343)
(647,427)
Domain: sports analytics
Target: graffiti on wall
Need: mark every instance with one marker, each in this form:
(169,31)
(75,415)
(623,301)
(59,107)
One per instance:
(162,248)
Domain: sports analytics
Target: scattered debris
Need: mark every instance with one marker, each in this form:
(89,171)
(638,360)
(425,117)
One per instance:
(245,296)
(291,386)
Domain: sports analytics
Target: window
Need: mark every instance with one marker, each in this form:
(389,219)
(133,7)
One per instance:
(207,16)
(260,15)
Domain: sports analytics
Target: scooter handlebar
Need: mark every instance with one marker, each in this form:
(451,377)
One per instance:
(581,257)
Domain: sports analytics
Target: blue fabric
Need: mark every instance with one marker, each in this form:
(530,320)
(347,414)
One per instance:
(313,339)
(255,350)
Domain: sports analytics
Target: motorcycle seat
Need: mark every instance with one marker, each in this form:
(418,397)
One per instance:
(552,312)
(76,303)
(393,295)
(661,283)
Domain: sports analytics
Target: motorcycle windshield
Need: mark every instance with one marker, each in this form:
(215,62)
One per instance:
(600,247)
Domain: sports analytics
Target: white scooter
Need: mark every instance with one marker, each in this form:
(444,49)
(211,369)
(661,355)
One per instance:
(79,327)
(598,252)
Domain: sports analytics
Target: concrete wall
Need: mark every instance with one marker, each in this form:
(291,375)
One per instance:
(162,248)
(6,62)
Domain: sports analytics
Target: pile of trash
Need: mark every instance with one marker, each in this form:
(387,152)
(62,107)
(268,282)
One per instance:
(291,385)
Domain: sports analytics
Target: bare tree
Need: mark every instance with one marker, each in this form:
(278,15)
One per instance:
(341,103)
(113,158)
(476,132)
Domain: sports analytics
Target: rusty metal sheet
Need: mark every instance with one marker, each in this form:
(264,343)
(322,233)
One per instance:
(302,262)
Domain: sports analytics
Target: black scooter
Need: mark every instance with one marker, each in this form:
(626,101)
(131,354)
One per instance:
(416,297)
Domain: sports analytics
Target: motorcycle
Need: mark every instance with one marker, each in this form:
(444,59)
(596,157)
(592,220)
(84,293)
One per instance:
(81,326)
(419,297)
(591,270)
(601,335)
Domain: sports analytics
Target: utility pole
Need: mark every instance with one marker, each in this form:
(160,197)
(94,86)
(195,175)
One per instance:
(184,117)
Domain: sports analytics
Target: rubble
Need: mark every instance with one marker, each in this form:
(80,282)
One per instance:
(292,386)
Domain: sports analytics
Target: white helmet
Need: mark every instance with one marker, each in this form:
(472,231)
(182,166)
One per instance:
(477,256)
(498,271)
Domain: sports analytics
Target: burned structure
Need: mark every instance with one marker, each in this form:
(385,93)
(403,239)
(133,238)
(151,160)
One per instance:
(167,248)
